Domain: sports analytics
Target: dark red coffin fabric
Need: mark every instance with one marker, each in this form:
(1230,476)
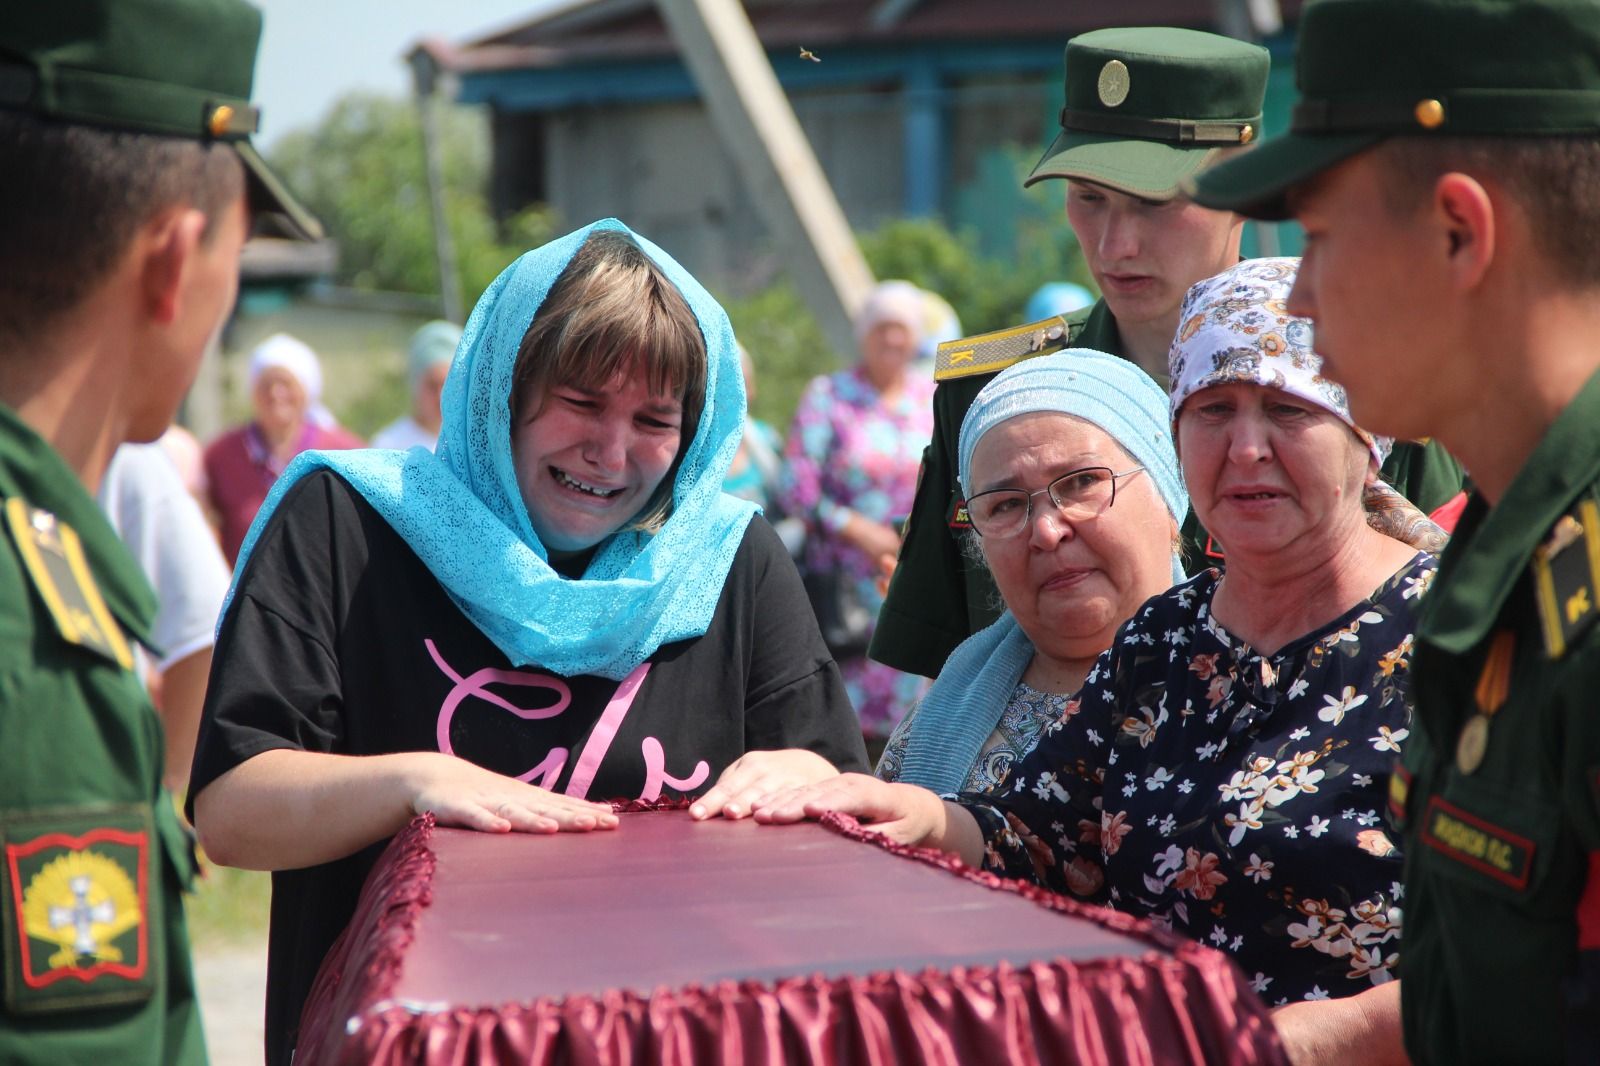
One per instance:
(673,942)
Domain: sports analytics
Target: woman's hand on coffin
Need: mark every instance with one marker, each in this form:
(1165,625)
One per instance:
(460,793)
(904,813)
(760,773)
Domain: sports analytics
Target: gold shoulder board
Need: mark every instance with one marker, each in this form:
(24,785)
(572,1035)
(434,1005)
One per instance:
(53,557)
(989,353)
(1566,577)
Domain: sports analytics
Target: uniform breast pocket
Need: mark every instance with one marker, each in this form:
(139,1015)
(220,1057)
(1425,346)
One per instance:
(1488,838)
(76,921)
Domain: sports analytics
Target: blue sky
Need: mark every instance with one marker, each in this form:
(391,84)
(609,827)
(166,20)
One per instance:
(313,51)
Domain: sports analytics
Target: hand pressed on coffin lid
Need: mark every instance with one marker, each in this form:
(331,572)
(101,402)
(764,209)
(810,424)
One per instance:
(756,774)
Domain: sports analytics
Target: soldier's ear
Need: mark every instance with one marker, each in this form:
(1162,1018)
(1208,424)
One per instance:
(1465,214)
(164,251)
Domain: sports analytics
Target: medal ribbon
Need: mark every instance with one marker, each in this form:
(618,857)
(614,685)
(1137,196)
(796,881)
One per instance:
(1494,684)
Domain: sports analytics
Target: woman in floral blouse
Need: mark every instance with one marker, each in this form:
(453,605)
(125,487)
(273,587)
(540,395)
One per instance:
(1224,769)
(851,470)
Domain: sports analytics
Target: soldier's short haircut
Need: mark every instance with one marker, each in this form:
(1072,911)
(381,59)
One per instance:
(71,199)
(1555,180)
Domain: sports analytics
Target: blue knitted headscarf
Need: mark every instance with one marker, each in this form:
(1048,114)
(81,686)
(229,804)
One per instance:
(967,700)
(460,510)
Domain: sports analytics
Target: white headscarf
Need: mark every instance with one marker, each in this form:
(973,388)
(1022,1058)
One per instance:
(284,352)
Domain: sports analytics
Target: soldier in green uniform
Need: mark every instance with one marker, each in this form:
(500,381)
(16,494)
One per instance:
(123,209)
(1145,109)
(1449,184)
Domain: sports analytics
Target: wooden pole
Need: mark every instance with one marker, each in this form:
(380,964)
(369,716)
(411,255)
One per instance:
(754,120)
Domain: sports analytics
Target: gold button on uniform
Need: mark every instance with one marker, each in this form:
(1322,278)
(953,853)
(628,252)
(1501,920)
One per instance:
(1247,134)
(220,119)
(1113,83)
(1430,114)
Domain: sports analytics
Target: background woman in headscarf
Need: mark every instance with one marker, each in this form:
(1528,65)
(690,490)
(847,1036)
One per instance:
(427,364)
(287,418)
(1225,768)
(1075,498)
(557,606)
(853,453)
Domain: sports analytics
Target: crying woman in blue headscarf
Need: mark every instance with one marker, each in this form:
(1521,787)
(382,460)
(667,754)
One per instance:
(556,608)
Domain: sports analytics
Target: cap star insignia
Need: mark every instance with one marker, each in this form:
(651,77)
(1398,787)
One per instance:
(807,54)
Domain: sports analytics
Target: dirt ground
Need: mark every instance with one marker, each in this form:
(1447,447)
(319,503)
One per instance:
(233,989)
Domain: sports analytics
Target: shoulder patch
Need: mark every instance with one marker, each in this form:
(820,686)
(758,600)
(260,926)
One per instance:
(988,353)
(75,907)
(53,557)
(1566,577)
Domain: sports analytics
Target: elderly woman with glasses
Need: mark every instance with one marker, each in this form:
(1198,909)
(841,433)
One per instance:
(1225,768)
(1072,559)
(1091,430)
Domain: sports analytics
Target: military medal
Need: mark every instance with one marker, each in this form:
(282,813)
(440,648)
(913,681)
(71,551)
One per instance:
(1494,685)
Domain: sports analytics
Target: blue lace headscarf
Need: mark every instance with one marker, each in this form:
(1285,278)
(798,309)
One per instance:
(460,510)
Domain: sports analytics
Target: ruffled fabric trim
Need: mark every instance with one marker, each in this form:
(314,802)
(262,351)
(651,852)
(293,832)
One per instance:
(1179,1003)
(398,889)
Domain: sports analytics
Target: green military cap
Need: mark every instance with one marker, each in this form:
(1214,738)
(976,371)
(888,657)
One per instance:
(1148,107)
(1427,68)
(177,68)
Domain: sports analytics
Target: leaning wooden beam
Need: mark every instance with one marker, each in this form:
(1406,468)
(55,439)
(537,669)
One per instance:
(753,118)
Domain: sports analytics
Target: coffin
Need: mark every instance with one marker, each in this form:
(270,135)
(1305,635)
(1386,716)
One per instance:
(670,941)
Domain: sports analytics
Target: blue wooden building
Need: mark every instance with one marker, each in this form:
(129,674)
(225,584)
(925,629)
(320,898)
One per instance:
(913,107)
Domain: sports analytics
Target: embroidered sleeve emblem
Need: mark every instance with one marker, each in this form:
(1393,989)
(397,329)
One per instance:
(83,906)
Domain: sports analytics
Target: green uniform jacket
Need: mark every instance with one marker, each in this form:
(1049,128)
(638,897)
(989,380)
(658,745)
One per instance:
(96,958)
(938,598)
(1503,863)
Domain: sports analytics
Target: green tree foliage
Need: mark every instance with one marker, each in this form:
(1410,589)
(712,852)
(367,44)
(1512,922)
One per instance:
(361,170)
(786,345)
(987,291)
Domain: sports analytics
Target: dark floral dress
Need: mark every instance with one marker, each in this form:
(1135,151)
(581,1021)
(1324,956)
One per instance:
(1238,798)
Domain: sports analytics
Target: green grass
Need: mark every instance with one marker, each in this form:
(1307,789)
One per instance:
(229,907)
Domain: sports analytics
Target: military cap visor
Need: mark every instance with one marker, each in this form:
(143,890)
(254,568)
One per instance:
(1146,108)
(1149,170)
(172,68)
(1474,68)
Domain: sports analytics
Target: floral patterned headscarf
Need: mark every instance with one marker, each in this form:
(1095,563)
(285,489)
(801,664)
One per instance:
(1235,328)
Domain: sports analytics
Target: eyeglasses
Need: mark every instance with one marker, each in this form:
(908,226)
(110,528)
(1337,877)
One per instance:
(1077,494)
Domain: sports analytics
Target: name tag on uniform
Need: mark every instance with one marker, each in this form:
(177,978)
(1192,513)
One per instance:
(53,557)
(1483,846)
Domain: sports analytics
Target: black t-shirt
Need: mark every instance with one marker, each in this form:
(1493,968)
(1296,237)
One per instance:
(341,640)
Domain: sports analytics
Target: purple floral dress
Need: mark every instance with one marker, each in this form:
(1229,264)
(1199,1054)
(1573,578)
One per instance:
(848,451)
(1236,797)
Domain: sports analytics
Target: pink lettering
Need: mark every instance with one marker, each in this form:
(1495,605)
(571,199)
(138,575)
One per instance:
(655,772)
(476,685)
(548,771)
(605,731)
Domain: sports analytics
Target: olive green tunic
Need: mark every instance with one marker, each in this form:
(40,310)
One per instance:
(96,958)
(1502,862)
(938,598)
